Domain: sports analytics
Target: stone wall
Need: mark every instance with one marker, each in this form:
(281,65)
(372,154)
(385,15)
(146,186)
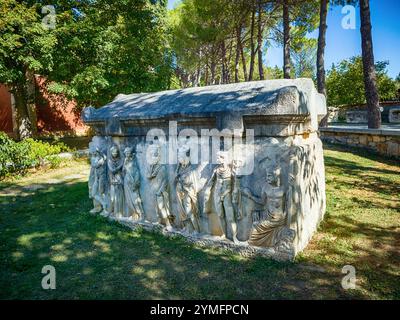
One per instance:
(385,142)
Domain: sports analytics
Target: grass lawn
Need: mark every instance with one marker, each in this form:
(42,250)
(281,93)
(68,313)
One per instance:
(44,220)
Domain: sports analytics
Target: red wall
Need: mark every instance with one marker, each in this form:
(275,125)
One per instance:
(6,123)
(54,113)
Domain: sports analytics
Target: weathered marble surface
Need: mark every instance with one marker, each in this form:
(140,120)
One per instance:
(356,116)
(394,115)
(265,188)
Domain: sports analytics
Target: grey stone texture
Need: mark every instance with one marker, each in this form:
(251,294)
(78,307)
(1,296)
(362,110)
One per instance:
(384,141)
(394,115)
(356,116)
(238,166)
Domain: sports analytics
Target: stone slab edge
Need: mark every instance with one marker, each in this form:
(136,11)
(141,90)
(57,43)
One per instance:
(207,241)
(381,132)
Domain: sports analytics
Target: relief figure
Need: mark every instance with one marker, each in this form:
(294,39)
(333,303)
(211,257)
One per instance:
(98,181)
(186,189)
(219,190)
(116,180)
(133,202)
(269,223)
(157,174)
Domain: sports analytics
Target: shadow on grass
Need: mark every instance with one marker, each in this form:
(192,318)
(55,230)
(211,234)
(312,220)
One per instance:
(378,262)
(364,176)
(368,154)
(96,259)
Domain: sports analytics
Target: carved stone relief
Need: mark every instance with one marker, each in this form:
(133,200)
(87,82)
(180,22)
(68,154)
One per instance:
(157,176)
(276,205)
(186,191)
(131,174)
(98,180)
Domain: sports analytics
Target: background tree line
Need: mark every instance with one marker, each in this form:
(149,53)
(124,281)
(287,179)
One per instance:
(100,48)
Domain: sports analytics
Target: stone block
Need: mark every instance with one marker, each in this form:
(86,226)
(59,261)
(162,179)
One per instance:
(363,139)
(242,162)
(393,149)
(394,114)
(381,147)
(356,116)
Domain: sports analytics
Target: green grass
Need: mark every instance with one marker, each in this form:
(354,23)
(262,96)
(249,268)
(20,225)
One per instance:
(95,259)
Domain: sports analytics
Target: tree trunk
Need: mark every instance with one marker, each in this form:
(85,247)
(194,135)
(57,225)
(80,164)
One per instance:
(198,75)
(321,47)
(371,90)
(206,78)
(21,107)
(224,66)
(228,61)
(237,56)
(321,83)
(243,62)
(286,40)
(259,42)
(212,69)
(31,101)
(252,51)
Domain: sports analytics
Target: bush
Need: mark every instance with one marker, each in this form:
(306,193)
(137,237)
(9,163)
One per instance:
(17,157)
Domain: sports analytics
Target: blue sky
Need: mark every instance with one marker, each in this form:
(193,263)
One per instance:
(345,43)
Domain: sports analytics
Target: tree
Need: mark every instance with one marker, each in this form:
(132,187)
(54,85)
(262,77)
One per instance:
(110,47)
(345,82)
(304,57)
(371,90)
(25,48)
(323,12)
(298,18)
(321,74)
(97,50)
(286,39)
(224,41)
(260,39)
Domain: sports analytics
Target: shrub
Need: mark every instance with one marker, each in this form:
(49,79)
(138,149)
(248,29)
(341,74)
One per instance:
(17,157)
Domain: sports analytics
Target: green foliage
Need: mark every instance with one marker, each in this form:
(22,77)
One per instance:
(97,49)
(13,156)
(207,35)
(24,43)
(345,83)
(17,157)
(110,47)
(273,73)
(304,59)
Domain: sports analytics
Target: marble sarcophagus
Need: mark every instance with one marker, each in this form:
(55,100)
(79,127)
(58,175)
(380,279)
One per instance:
(239,165)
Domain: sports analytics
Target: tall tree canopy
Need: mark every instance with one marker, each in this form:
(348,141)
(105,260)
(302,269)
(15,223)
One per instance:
(97,49)
(226,41)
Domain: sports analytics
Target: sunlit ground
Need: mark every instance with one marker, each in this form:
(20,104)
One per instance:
(44,221)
